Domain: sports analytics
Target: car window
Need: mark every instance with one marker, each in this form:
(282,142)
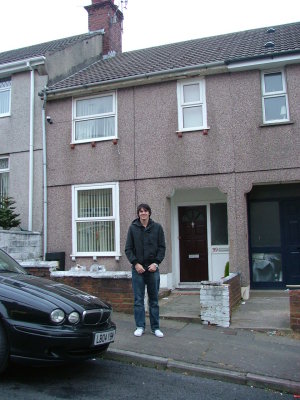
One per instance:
(8,264)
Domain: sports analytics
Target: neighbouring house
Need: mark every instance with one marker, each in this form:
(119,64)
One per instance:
(207,132)
(24,73)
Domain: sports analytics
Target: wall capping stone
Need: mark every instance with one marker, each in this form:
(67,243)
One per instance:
(92,274)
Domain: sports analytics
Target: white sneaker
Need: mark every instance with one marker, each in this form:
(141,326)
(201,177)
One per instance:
(158,333)
(138,332)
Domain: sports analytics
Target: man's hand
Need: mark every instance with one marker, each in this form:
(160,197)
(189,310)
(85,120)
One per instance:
(139,268)
(152,267)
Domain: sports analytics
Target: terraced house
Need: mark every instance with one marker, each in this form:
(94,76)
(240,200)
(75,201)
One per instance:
(24,73)
(206,131)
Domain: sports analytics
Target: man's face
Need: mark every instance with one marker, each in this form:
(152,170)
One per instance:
(144,215)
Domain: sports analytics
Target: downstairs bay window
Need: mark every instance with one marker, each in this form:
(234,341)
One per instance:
(96,220)
(94,118)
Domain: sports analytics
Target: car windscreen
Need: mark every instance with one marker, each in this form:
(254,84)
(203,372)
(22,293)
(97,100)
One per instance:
(8,264)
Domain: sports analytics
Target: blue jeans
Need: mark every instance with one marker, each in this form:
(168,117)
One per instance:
(139,282)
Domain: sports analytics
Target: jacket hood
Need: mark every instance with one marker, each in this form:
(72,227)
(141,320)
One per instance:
(137,222)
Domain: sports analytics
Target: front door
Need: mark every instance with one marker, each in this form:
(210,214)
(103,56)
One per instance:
(193,243)
(275,242)
(291,218)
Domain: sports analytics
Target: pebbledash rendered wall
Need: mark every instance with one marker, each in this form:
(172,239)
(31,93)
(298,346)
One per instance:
(21,245)
(147,125)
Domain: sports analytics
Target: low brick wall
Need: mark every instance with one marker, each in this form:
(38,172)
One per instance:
(234,283)
(39,268)
(38,271)
(295,309)
(108,286)
(217,299)
(113,287)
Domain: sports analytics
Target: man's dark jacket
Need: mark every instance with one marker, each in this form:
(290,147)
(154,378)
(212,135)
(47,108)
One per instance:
(145,245)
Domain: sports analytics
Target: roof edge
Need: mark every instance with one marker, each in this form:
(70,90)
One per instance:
(262,56)
(264,62)
(145,77)
(22,65)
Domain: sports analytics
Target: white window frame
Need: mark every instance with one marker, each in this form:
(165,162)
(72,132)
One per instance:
(5,170)
(181,104)
(280,93)
(94,117)
(6,89)
(115,218)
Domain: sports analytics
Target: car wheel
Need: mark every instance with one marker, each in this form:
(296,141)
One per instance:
(3,349)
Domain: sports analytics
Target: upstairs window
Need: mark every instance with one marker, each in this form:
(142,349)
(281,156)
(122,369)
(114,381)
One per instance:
(96,220)
(5,95)
(94,118)
(191,105)
(274,97)
(4,170)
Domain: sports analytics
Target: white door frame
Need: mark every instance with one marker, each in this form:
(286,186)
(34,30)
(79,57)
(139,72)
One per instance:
(175,238)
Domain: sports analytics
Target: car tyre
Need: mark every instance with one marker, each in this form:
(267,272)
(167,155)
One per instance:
(3,349)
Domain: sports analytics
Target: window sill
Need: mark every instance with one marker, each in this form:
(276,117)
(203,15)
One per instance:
(94,256)
(93,143)
(204,131)
(276,124)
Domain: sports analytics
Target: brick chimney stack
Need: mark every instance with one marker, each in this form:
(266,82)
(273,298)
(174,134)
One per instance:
(104,14)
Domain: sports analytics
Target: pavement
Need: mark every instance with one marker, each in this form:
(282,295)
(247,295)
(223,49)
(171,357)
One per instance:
(258,349)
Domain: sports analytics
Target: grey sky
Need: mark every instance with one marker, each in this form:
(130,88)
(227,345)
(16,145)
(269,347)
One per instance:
(146,22)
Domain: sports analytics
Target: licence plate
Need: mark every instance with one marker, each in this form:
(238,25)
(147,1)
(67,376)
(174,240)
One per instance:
(104,337)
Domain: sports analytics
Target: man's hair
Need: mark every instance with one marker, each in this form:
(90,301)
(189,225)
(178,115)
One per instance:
(145,207)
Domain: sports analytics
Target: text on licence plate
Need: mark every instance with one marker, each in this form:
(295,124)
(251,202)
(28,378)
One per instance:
(104,337)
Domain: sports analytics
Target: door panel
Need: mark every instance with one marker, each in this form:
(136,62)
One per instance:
(275,242)
(291,218)
(193,243)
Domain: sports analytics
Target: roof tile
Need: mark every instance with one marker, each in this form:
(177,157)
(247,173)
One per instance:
(42,48)
(222,48)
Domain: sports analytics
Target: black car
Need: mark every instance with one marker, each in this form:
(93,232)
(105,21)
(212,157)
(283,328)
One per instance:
(45,321)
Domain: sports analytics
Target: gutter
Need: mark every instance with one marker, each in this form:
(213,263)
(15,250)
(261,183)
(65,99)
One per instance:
(189,70)
(285,54)
(262,62)
(23,65)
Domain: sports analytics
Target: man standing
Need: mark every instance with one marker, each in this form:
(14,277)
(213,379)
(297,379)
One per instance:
(145,249)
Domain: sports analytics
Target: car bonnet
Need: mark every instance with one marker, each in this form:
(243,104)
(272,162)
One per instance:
(50,291)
